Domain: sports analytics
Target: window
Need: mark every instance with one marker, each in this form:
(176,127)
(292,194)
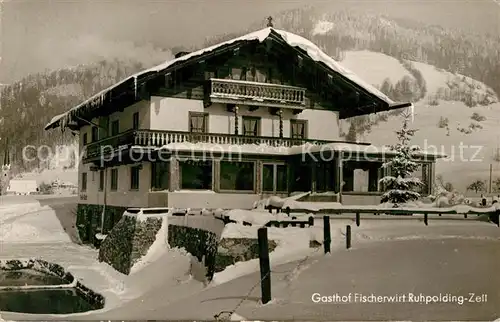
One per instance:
(196,174)
(298,129)
(281,178)
(114,180)
(237,176)
(274,178)
(95,134)
(209,75)
(198,122)
(84,182)
(160,174)
(251,126)
(85,139)
(268,177)
(134,177)
(101,180)
(135,121)
(115,127)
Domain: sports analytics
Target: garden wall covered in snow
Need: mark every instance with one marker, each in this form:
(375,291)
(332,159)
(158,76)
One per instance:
(137,233)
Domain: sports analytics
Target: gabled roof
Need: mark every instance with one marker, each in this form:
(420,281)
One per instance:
(313,51)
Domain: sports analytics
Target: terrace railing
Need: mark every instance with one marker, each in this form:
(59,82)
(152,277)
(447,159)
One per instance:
(154,138)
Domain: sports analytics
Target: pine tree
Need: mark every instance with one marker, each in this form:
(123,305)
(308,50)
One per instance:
(400,186)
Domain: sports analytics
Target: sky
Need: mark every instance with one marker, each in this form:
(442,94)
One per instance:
(36,35)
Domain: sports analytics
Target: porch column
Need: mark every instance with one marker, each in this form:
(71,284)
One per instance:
(339,175)
(314,172)
(258,177)
(236,131)
(216,175)
(432,177)
(280,114)
(174,183)
(290,176)
(373,178)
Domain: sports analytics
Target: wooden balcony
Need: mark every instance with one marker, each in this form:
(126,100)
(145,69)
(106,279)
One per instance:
(152,138)
(228,91)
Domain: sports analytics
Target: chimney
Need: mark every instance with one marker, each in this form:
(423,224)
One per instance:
(270,22)
(181,53)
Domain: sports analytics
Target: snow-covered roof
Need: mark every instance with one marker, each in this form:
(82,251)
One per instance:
(313,51)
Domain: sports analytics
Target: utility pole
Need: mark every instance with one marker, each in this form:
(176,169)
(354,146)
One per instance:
(491,172)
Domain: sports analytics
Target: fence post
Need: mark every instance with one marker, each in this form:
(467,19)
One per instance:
(465,215)
(498,217)
(426,219)
(311,221)
(265,268)
(358,219)
(326,234)
(348,236)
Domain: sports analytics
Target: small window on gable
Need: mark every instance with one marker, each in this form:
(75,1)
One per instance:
(209,75)
(236,73)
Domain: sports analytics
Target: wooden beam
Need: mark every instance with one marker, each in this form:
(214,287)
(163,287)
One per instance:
(273,111)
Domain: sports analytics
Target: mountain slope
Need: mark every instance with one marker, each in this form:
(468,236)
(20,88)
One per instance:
(446,124)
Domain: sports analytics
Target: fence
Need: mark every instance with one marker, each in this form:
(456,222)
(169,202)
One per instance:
(452,213)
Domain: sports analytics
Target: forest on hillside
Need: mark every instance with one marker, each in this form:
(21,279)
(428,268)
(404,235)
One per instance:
(473,55)
(28,105)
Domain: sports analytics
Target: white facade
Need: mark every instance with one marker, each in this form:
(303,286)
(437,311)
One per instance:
(172,114)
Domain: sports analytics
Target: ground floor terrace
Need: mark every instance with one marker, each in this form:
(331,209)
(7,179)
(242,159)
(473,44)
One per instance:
(187,178)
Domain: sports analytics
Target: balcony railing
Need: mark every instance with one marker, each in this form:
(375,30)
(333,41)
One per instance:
(253,93)
(152,138)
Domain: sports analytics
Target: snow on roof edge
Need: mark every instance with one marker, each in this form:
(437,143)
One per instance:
(313,51)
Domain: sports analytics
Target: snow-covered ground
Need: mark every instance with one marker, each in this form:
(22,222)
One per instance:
(376,67)
(163,275)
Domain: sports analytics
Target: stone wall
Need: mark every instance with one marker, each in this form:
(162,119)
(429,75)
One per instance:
(88,220)
(200,243)
(128,241)
(233,250)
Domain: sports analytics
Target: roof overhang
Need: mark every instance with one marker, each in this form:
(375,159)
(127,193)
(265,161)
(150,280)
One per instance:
(130,86)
